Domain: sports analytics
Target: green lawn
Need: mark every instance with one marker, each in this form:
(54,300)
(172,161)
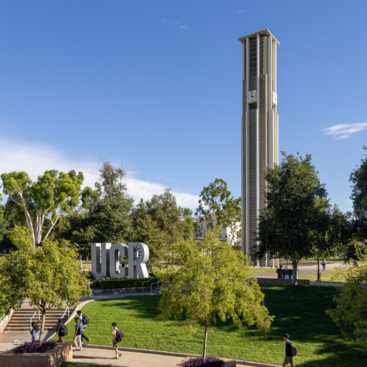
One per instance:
(298,311)
(326,276)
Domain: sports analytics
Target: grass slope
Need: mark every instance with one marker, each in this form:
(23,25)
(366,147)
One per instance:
(299,312)
(326,276)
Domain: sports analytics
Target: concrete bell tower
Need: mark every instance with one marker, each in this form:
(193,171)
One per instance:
(259,130)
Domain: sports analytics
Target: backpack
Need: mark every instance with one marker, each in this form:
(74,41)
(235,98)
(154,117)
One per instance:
(119,336)
(63,331)
(294,350)
(85,320)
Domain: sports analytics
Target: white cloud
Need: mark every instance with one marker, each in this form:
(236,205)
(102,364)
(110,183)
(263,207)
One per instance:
(240,11)
(343,131)
(36,158)
(163,21)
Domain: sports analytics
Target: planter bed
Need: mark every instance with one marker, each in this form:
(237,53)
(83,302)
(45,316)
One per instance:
(227,362)
(52,358)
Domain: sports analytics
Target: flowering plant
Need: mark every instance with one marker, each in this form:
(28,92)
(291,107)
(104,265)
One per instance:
(209,362)
(34,347)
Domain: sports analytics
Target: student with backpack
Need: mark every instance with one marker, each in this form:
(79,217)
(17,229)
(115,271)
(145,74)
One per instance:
(35,332)
(61,331)
(84,322)
(290,351)
(77,336)
(117,337)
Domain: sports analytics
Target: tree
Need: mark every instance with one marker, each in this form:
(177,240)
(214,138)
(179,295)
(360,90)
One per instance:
(51,196)
(159,222)
(218,206)
(351,307)
(212,199)
(212,281)
(49,276)
(105,214)
(358,178)
(230,218)
(294,221)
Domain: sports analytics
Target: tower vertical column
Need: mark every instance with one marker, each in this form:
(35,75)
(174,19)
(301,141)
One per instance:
(247,149)
(270,103)
(257,131)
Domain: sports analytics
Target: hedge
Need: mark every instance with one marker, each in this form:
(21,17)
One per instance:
(123,283)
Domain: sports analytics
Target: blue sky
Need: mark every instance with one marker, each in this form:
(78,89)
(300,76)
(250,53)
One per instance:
(157,85)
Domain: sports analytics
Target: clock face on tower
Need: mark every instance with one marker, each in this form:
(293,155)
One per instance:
(251,96)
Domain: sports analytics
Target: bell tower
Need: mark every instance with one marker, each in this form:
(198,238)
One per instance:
(259,130)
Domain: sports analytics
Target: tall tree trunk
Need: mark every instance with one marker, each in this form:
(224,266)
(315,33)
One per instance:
(205,339)
(294,265)
(318,269)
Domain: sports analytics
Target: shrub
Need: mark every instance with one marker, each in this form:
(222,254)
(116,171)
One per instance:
(122,283)
(34,347)
(209,362)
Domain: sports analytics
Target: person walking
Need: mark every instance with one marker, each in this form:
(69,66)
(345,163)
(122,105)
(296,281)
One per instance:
(288,351)
(35,332)
(117,337)
(323,264)
(85,322)
(61,331)
(82,335)
(279,272)
(77,336)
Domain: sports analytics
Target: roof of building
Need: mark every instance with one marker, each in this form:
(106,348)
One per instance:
(264,32)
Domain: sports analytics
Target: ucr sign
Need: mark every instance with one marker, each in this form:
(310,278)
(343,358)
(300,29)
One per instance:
(105,260)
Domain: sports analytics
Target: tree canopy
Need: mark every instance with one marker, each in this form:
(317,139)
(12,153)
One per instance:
(212,281)
(51,196)
(49,276)
(351,307)
(105,215)
(218,206)
(297,216)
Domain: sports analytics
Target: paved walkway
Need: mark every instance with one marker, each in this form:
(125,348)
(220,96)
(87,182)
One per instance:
(128,359)
(311,269)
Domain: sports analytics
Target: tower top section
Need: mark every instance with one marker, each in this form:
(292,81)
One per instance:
(265,32)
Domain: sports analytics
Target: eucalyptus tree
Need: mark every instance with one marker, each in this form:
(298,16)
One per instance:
(47,199)
(218,206)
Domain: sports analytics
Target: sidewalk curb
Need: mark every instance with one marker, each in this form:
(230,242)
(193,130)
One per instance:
(172,354)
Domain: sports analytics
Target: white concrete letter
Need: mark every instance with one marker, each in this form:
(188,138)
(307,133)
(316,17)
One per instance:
(117,250)
(100,259)
(138,256)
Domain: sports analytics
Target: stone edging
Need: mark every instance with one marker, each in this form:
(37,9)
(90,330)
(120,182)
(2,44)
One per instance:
(173,354)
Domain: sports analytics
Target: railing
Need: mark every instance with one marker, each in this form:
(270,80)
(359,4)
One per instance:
(147,281)
(39,318)
(14,341)
(66,309)
(1,323)
(151,285)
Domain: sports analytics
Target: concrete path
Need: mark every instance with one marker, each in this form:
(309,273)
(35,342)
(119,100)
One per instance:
(128,359)
(312,269)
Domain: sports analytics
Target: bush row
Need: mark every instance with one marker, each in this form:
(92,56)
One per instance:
(123,283)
